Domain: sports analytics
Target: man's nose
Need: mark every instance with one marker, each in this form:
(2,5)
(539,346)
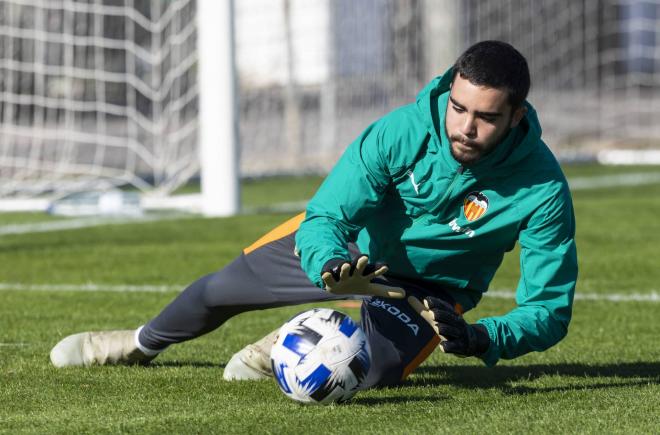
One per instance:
(469,129)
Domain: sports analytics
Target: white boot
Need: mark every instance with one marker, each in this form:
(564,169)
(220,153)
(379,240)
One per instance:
(99,348)
(253,361)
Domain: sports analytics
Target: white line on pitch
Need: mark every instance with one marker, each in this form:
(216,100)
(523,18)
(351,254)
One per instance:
(14,344)
(598,182)
(74,224)
(609,297)
(652,296)
(90,287)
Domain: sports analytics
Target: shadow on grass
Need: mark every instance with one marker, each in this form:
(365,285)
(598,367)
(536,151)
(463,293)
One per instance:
(591,377)
(368,401)
(507,379)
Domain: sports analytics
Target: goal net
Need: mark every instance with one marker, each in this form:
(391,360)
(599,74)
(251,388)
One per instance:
(595,67)
(100,93)
(96,94)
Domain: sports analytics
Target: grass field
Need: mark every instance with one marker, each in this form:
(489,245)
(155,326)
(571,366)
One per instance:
(603,378)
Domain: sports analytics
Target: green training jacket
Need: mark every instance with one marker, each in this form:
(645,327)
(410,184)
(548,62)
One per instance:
(400,195)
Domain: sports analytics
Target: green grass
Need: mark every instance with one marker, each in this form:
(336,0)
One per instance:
(298,189)
(603,378)
(596,170)
(25,218)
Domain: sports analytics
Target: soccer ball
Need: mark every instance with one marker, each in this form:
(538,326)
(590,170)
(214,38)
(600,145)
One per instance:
(321,356)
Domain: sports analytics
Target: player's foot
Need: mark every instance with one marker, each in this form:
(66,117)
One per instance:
(253,361)
(98,348)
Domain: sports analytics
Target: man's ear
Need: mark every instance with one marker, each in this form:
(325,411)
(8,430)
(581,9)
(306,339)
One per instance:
(518,115)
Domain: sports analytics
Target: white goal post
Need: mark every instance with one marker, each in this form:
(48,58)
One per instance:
(217,108)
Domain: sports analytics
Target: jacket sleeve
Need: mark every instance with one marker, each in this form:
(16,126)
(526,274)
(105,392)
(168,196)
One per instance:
(346,198)
(548,273)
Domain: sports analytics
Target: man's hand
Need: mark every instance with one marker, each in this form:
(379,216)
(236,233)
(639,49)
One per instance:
(456,335)
(354,278)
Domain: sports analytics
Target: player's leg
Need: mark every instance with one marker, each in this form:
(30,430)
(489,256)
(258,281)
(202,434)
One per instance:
(266,275)
(400,340)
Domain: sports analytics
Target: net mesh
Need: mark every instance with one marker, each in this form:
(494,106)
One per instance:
(96,93)
(595,67)
(104,92)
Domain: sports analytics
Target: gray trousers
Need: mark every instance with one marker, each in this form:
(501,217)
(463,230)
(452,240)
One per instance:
(269,275)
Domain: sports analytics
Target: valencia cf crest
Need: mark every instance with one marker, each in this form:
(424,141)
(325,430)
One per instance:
(474,206)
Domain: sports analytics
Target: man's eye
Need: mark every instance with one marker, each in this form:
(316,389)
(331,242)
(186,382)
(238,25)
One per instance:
(488,120)
(458,109)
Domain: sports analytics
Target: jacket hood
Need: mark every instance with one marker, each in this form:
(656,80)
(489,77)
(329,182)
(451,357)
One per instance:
(521,140)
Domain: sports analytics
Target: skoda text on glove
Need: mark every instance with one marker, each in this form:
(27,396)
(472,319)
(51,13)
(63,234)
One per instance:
(396,313)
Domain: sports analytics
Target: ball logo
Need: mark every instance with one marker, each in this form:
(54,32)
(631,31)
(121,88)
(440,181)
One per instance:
(474,206)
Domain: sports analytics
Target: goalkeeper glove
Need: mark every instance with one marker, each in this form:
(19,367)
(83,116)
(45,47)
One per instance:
(456,335)
(343,278)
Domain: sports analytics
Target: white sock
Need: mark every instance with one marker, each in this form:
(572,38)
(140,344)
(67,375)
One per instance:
(143,349)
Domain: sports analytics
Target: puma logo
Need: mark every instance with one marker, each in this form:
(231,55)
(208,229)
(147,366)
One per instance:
(412,180)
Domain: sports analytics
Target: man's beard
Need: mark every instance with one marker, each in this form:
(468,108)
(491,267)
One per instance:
(479,151)
(463,159)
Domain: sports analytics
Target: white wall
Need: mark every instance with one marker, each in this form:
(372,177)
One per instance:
(261,43)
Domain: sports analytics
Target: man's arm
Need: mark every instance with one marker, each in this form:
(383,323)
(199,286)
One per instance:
(339,209)
(548,273)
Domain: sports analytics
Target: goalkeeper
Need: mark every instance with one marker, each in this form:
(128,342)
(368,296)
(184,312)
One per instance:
(416,216)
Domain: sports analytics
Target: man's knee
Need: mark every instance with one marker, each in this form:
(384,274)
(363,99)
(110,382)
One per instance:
(234,285)
(399,339)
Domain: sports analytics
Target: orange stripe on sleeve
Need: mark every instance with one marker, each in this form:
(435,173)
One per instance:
(428,349)
(278,232)
(421,356)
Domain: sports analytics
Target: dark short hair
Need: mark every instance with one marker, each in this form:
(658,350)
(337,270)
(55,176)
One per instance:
(498,65)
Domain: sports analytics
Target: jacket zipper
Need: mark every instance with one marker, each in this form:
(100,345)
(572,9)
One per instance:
(432,213)
(457,175)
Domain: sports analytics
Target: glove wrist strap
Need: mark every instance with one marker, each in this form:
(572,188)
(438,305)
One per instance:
(479,339)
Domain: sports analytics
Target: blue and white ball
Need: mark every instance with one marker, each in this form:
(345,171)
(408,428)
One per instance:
(321,356)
